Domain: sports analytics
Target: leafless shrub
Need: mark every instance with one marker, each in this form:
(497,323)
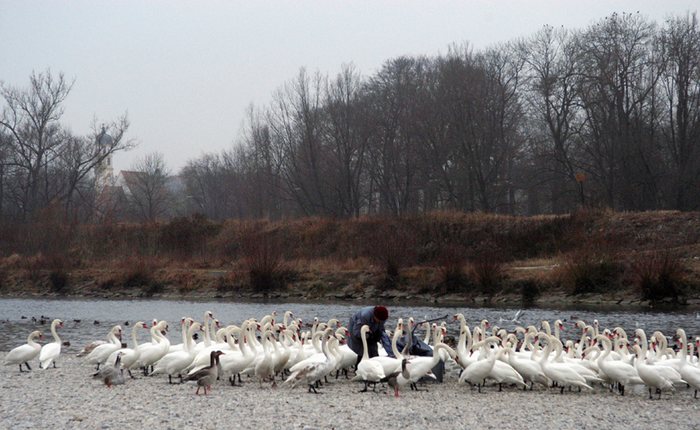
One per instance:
(659,276)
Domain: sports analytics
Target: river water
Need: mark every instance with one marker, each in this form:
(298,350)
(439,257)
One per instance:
(88,320)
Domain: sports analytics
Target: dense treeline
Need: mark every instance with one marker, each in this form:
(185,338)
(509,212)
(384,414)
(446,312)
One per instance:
(605,116)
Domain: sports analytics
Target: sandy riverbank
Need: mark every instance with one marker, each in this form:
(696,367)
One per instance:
(67,398)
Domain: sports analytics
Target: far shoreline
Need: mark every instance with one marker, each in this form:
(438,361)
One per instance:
(553,302)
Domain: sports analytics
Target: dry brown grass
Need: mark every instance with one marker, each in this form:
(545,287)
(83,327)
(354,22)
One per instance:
(425,251)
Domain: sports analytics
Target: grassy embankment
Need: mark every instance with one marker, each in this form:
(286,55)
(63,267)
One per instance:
(587,258)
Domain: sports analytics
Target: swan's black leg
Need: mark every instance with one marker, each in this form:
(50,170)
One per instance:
(312,389)
(622,389)
(562,390)
(54,364)
(20,368)
(26,363)
(239,379)
(132,376)
(650,393)
(98,366)
(364,390)
(499,387)
(182,381)
(478,386)
(170,379)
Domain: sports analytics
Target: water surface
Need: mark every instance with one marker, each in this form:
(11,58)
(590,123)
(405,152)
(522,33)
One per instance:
(88,320)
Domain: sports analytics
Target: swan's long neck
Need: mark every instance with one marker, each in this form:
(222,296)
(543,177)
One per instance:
(187,344)
(684,345)
(56,339)
(394,348)
(113,337)
(207,339)
(134,340)
(545,354)
(641,334)
(185,326)
(606,353)
(316,340)
(30,340)
(365,354)
(427,336)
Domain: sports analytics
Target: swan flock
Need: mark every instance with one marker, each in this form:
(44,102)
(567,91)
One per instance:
(288,353)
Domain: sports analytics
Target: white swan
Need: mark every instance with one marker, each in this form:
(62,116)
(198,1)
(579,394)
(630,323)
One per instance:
(419,367)
(264,367)
(50,352)
(689,373)
(368,371)
(100,354)
(151,353)
(129,356)
(25,353)
(175,363)
(616,370)
(650,374)
(529,369)
(312,371)
(561,373)
(476,372)
(234,362)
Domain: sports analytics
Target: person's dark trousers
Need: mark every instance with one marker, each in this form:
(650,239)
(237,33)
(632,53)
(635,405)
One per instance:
(355,343)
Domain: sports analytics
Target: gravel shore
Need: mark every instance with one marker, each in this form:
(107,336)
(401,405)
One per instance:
(68,398)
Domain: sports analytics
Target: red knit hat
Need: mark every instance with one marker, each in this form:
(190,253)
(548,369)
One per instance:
(381,313)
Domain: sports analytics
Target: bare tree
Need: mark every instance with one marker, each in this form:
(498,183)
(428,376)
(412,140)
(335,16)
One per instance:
(42,162)
(31,118)
(680,40)
(552,57)
(147,183)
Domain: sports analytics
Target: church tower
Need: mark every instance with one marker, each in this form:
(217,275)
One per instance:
(104,173)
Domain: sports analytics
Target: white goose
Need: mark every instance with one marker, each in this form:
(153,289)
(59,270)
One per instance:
(50,352)
(100,354)
(24,353)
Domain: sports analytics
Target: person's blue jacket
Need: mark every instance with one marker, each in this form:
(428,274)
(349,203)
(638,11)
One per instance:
(376,333)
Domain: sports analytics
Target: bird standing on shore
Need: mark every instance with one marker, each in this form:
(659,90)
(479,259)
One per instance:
(207,375)
(50,352)
(111,375)
(24,353)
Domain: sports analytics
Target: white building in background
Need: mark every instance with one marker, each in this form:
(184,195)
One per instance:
(104,172)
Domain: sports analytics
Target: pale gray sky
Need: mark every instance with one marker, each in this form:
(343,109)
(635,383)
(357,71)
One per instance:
(185,71)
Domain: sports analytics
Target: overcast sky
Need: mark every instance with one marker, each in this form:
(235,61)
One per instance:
(185,71)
